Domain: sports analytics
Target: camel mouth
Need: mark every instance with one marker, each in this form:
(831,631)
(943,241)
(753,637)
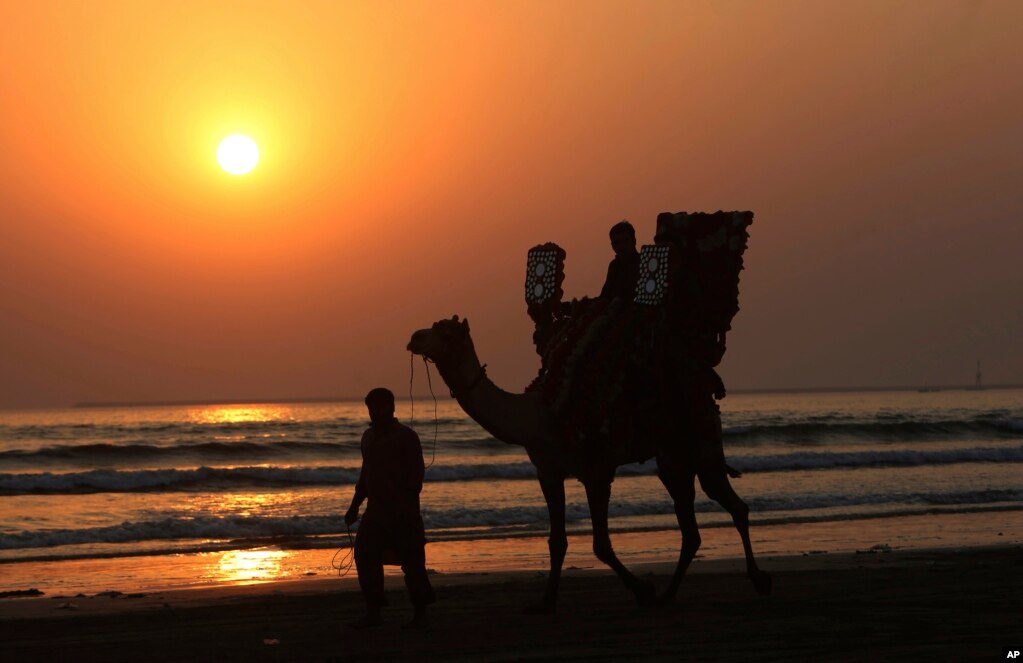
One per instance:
(416,343)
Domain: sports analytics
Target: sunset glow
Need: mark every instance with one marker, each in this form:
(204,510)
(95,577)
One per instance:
(402,163)
(238,154)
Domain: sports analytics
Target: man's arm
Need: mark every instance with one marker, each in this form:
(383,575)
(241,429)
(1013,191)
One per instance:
(360,489)
(358,498)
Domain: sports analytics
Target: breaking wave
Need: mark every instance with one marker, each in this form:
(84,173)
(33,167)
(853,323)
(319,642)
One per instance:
(880,429)
(127,453)
(267,527)
(218,479)
(176,430)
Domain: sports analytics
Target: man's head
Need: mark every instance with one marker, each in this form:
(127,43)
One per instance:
(623,238)
(380,402)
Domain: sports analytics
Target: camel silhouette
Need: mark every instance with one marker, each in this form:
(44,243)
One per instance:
(524,419)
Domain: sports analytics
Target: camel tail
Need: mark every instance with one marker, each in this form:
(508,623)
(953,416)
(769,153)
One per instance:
(732,472)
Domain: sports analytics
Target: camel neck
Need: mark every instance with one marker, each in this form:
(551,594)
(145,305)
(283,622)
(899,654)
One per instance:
(511,418)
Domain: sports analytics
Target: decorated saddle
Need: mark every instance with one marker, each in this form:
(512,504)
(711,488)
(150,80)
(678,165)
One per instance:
(708,252)
(604,360)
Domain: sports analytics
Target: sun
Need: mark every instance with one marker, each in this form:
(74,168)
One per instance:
(238,154)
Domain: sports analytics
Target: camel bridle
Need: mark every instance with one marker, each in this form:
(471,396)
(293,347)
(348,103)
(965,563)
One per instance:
(458,344)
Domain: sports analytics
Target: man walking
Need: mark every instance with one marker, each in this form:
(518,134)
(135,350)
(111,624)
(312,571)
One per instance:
(391,479)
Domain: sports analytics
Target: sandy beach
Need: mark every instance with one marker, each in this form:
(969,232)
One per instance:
(943,604)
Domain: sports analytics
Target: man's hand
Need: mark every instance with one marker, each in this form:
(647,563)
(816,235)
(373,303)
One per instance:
(351,516)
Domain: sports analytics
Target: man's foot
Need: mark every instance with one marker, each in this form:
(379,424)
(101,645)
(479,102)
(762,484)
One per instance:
(369,620)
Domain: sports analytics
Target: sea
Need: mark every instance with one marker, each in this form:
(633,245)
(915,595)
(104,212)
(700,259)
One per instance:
(129,498)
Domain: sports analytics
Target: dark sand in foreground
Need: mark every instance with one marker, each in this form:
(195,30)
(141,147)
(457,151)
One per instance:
(949,605)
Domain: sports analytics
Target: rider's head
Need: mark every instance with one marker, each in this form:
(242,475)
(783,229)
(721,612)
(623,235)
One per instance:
(623,238)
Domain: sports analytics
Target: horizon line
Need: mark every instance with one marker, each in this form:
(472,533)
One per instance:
(398,398)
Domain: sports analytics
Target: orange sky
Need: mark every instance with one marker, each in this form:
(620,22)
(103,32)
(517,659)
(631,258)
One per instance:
(413,152)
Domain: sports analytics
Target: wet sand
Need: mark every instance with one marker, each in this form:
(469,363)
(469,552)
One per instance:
(167,572)
(963,604)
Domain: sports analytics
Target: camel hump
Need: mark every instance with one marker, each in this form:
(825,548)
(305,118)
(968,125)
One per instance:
(587,365)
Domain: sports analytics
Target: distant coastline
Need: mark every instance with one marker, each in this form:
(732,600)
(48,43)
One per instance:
(840,390)
(348,399)
(235,401)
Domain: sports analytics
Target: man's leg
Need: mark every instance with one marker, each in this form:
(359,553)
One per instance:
(370,567)
(413,565)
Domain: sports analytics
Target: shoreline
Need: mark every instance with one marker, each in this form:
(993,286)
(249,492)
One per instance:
(332,541)
(233,566)
(947,603)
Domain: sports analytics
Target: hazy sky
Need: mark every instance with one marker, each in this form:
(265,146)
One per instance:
(412,152)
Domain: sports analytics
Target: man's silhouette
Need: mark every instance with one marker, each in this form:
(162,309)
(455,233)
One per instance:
(624,269)
(391,478)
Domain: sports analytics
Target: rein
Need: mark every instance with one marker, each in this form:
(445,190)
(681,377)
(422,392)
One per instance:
(461,391)
(412,423)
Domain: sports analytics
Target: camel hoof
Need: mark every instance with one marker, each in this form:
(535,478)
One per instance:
(761,581)
(539,609)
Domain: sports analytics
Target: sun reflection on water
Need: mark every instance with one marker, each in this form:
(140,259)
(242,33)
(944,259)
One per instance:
(236,414)
(249,566)
(261,564)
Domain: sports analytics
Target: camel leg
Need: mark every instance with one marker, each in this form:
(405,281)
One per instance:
(598,495)
(683,494)
(557,543)
(719,489)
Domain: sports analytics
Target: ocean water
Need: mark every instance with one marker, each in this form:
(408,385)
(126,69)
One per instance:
(166,483)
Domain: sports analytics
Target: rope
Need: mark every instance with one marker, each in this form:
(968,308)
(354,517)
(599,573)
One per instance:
(344,567)
(412,374)
(412,417)
(436,424)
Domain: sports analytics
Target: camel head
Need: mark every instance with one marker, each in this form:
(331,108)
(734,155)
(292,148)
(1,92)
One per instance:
(444,342)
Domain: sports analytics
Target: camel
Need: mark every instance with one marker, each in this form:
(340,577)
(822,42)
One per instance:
(524,420)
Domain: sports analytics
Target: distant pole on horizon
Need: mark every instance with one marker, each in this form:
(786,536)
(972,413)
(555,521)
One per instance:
(979,385)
